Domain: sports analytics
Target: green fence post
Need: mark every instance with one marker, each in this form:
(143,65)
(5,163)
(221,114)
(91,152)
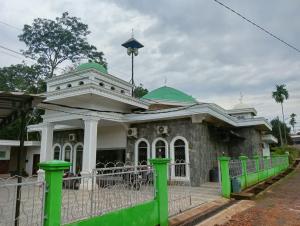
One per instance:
(225,177)
(53,177)
(244,168)
(161,184)
(287,159)
(256,158)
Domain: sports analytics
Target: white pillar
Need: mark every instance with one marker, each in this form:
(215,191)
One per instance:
(46,142)
(46,152)
(90,145)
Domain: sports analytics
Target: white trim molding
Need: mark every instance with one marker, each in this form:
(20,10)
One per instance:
(75,154)
(60,150)
(187,157)
(154,144)
(136,150)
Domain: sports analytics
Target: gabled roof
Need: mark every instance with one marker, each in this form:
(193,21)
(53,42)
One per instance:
(170,95)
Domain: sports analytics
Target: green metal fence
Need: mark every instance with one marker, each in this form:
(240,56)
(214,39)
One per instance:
(150,213)
(250,171)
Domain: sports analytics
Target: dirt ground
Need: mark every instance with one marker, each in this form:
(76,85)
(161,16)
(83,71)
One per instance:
(278,206)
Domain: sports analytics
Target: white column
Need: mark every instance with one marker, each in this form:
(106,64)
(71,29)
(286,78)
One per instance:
(46,152)
(46,142)
(90,145)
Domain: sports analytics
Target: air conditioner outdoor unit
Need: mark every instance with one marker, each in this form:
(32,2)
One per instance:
(162,130)
(72,137)
(132,132)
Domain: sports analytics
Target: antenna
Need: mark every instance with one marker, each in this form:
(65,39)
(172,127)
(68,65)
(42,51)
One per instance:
(241,97)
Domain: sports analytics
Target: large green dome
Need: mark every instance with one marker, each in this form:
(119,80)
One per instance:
(170,95)
(92,65)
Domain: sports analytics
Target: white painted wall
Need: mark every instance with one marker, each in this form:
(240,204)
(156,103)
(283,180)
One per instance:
(111,137)
(29,157)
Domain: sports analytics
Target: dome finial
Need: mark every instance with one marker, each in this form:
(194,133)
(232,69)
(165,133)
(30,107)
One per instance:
(166,80)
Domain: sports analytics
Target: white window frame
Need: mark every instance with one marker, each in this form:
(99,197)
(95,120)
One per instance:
(187,158)
(136,150)
(75,154)
(60,150)
(71,154)
(154,147)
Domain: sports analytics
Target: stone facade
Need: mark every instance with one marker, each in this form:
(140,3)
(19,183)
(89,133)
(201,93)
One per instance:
(204,145)
(62,137)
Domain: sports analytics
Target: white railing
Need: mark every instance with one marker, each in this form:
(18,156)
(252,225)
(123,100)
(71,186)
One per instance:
(179,188)
(106,190)
(22,201)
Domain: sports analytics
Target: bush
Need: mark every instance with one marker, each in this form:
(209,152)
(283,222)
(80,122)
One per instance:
(293,152)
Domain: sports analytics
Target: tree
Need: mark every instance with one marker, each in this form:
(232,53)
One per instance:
(279,95)
(293,121)
(21,77)
(276,130)
(52,42)
(140,91)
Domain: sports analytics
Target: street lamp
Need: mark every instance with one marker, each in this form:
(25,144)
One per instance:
(132,46)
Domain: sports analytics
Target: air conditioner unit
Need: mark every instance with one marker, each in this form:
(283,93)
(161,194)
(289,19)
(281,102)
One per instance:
(162,130)
(132,132)
(72,137)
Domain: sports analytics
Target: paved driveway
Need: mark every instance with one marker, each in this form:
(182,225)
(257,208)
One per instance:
(278,206)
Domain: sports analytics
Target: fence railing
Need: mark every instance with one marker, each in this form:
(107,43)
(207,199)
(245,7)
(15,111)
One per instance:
(179,188)
(132,195)
(23,207)
(249,171)
(106,190)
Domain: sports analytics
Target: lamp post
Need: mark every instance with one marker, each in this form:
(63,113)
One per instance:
(132,46)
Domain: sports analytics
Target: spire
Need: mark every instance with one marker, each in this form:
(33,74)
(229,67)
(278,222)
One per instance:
(241,97)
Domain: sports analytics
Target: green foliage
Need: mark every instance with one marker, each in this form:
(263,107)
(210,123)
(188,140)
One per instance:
(293,120)
(276,125)
(293,152)
(21,77)
(52,42)
(27,79)
(280,94)
(140,91)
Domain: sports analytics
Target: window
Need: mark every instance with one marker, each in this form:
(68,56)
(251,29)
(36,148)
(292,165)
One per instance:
(101,84)
(81,83)
(122,91)
(78,160)
(56,154)
(69,85)
(112,88)
(57,88)
(179,157)
(160,149)
(67,153)
(142,153)
(179,151)
(2,154)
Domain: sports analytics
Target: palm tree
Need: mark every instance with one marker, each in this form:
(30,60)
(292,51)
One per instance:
(293,121)
(279,96)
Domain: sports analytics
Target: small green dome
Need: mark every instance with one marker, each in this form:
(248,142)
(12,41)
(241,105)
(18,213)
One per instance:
(93,65)
(168,94)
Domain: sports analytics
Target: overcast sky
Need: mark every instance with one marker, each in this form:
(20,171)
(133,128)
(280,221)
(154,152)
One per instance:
(198,46)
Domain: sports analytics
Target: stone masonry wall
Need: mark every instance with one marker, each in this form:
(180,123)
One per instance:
(203,150)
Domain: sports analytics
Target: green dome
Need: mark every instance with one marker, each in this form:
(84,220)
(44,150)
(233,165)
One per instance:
(93,65)
(168,94)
